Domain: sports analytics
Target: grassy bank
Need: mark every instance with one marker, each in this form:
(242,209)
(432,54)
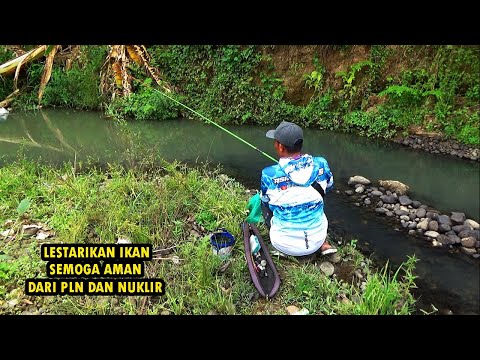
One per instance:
(170,207)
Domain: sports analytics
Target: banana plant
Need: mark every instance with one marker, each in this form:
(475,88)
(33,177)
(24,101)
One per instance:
(115,78)
(15,65)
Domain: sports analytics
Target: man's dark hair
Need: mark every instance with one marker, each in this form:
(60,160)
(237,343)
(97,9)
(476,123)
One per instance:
(295,148)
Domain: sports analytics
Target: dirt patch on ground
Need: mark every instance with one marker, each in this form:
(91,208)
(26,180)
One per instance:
(344,271)
(418,130)
(263,306)
(374,101)
(292,62)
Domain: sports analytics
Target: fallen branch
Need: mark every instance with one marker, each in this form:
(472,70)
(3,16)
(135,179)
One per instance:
(9,99)
(10,66)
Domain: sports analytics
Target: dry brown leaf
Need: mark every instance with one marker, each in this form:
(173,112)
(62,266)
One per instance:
(133,55)
(9,99)
(32,55)
(47,72)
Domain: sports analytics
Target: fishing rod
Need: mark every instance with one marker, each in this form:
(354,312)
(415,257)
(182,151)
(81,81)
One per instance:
(217,125)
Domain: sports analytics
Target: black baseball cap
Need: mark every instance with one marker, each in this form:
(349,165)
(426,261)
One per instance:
(286,133)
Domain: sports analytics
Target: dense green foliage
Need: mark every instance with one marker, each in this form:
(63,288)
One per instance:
(6,83)
(145,103)
(385,91)
(239,84)
(225,83)
(79,86)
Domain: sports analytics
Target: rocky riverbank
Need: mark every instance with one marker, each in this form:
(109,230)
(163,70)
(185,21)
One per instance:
(453,231)
(436,144)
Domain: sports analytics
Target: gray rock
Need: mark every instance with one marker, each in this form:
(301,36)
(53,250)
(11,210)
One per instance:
(443,228)
(335,258)
(381,210)
(376,193)
(457,217)
(405,200)
(356,204)
(432,215)
(388,192)
(469,242)
(455,238)
(451,232)
(468,233)
(420,213)
(444,219)
(374,188)
(460,228)
(399,212)
(381,188)
(432,234)
(405,218)
(358,185)
(363,197)
(416,204)
(13,302)
(357,179)
(436,243)
(327,268)
(423,225)
(358,274)
(367,201)
(468,250)
(411,232)
(349,192)
(388,199)
(472,223)
(395,186)
(369,190)
(389,214)
(445,240)
(380,203)
(476,256)
(433,225)
(404,224)
(396,206)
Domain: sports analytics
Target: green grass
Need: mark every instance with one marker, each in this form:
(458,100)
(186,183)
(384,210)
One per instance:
(167,206)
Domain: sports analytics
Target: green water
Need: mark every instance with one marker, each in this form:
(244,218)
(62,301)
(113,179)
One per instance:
(446,183)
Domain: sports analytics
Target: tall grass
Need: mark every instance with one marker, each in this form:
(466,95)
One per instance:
(169,205)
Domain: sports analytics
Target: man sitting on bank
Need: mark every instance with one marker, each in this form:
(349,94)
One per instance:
(292,194)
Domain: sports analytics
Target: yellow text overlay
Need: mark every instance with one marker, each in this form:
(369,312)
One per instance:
(79,252)
(95,269)
(95,287)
